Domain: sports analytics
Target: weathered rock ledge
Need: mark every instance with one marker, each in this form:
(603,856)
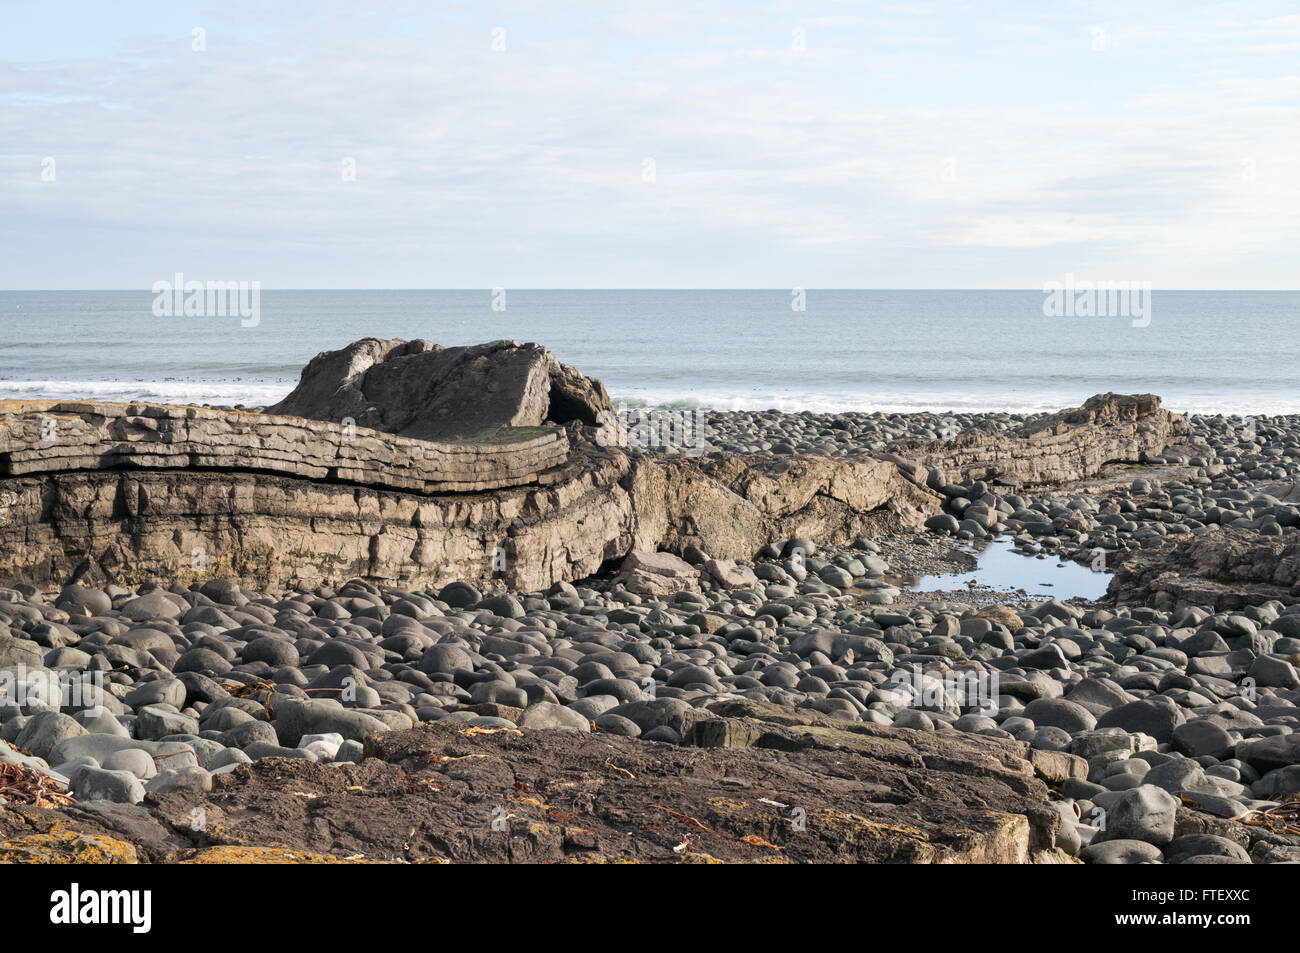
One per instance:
(130,492)
(62,436)
(777,786)
(280,532)
(1226,569)
(1067,446)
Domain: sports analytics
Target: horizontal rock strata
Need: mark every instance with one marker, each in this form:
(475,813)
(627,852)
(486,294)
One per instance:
(128,492)
(60,436)
(278,531)
(1064,447)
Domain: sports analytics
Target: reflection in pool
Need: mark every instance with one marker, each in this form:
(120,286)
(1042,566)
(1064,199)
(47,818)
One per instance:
(1001,567)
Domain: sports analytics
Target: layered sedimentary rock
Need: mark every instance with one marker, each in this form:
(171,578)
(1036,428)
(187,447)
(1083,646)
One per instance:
(114,491)
(60,436)
(731,505)
(1070,445)
(1226,570)
(423,390)
(278,531)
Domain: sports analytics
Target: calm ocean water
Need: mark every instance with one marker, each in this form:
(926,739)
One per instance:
(1204,352)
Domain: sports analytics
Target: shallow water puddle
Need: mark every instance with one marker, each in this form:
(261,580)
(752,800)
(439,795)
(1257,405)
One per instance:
(1001,567)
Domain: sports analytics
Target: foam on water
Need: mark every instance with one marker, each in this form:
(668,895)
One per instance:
(897,402)
(221,393)
(891,351)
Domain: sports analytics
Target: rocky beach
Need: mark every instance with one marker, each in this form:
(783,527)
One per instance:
(454,605)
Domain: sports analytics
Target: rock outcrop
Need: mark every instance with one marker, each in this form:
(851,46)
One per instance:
(756,785)
(423,390)
(278,531)
(64,436)
(1226,569)
(731,505)
(1067,446)
(346,480)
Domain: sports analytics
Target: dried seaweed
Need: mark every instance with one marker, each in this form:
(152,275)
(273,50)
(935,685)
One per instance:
(1282,819)
(20,785)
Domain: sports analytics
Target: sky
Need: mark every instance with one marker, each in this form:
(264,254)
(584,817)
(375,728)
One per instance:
(616,144)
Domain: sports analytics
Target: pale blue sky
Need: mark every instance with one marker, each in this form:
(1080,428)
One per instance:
(926,145)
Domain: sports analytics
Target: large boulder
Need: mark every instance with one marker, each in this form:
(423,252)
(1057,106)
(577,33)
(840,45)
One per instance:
(729,575)
(1156,716)
(424,390)
(1145,813)
(656,574)
(14,652)
(43,732)
(1269,754)
(297,717)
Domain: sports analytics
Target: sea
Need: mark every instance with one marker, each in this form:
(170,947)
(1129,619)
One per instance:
(1204,352)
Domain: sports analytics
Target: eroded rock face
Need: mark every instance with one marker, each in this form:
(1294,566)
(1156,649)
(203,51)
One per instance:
(1070,445)
(62,436)
(423,390)
(725,504)
(185,494)
(1228,569)
(278,531)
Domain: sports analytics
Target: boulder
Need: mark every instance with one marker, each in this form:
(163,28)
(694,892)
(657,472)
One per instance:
(727,574)
(152,605)
(1121,852)
(97,784)
(1145,813)
(296,717)
(656,574)
(1059,713)
(45,730)
(1156,716)
(180,779)
(430,392)
(550,715)
(1177,775)
(1204,845)
(1274,672)
(14,652)
(1200,737)
(1268,754)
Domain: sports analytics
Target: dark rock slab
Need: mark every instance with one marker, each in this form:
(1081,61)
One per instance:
(430,392)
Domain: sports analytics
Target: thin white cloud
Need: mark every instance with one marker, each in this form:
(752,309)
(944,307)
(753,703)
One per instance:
(999,152)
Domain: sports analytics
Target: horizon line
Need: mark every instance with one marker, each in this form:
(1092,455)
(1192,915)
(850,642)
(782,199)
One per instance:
(781,290)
